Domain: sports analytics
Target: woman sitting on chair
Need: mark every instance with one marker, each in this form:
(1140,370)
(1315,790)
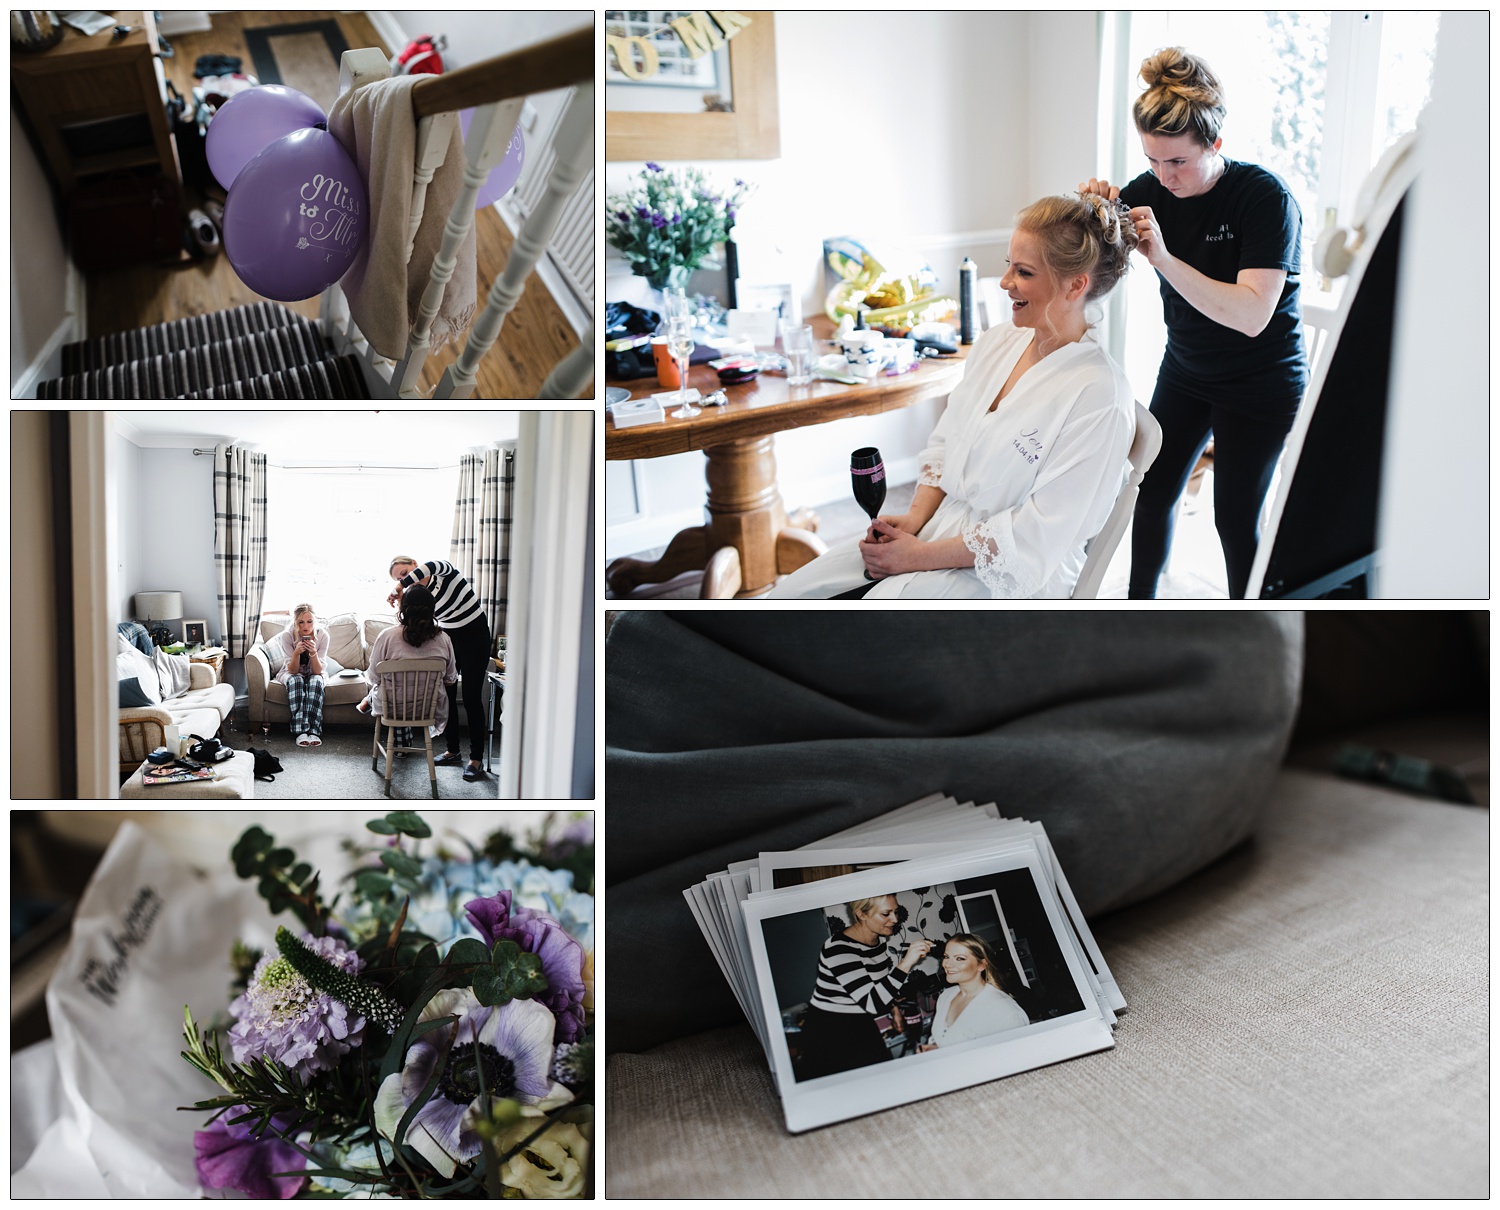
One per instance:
(1027,460)
(415,637)
(302,649)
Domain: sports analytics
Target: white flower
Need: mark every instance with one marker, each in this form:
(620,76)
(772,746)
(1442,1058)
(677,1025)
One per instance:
(551,1165)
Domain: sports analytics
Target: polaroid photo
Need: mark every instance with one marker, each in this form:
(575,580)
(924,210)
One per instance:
(847,1036)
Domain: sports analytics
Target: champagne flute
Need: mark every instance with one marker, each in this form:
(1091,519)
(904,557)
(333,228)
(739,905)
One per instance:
(680,346)
(867,472)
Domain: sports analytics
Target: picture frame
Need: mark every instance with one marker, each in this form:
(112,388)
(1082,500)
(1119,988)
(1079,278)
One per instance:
(782,925)
(195,632)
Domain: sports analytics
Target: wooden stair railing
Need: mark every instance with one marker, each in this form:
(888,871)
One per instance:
(497,88)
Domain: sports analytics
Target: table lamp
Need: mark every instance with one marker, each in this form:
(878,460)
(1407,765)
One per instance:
(158,607)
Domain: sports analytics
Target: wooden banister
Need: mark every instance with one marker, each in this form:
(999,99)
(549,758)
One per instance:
(566,59)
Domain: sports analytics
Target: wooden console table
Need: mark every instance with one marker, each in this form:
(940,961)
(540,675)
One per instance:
(97,103)
(749,539)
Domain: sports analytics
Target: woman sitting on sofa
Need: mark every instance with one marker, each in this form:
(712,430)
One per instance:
(415,637)
(301,650)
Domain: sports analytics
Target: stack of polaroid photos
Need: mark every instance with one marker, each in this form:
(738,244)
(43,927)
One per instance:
(935,947)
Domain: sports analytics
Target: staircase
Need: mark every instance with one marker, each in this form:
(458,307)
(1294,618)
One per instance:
(259,351)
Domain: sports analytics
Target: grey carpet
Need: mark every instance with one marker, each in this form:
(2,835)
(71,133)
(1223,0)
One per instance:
(341,769)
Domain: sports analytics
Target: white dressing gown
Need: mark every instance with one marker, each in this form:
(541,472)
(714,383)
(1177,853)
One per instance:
(990,1012)
(1026,486)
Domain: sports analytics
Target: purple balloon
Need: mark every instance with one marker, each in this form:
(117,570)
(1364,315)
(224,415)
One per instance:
(505,174)
(251,121)
(296,216)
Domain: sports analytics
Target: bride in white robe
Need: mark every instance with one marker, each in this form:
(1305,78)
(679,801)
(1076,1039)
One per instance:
(1029,456)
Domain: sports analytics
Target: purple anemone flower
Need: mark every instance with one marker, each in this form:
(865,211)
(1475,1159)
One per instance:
(512,1044)
(652,166)
(538,933)
(230,1157)
(283,1017)
(658,222)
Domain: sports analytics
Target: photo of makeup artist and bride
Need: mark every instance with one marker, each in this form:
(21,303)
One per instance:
(889,977)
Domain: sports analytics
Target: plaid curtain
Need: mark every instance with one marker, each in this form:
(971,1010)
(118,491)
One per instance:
(239,543)
(481,531)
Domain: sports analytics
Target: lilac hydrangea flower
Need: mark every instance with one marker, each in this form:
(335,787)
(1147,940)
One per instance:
(538,933)
(513,1045)
(230,1157)
(283,1017)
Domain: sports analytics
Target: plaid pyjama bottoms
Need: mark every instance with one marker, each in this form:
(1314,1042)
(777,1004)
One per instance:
(304,696)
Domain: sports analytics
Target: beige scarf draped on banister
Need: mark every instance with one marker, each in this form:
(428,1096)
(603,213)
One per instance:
(376,126)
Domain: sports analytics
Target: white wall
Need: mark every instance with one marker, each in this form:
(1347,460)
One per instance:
(124,521)
(39,318)
(1434,518)
(165,507)
(969,117)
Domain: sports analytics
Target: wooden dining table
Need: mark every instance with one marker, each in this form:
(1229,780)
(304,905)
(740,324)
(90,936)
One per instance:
(749,538)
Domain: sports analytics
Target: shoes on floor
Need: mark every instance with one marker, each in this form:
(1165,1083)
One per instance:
(204,234)
(448,758)
(302,740)
(314,741)
(475,773)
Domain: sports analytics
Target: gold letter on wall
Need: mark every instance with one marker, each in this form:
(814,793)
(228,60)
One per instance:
(729,21)
(699,35)
(626,60)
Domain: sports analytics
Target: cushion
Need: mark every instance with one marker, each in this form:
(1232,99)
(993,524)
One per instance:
(174,673)
(1308,1019)
(373,627)
(136,673)
(343,640)
(1145,742)
(272,624)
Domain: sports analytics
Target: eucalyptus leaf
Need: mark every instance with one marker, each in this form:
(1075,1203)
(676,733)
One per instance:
(401,863)
(279,859)
(380,827)
(410,824)
(468,951)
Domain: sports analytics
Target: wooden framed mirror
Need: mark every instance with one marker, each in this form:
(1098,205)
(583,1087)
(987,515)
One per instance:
(749,130)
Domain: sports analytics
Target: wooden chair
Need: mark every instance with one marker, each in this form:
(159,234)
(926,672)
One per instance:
(1101,547)
(408,698)
(498,87)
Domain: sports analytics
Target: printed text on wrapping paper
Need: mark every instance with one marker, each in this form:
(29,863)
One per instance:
(102,978)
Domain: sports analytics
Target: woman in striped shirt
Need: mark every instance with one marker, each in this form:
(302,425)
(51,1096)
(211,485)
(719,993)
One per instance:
(858,980)
(461,617)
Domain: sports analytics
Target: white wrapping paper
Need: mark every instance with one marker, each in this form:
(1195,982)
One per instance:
(149,937)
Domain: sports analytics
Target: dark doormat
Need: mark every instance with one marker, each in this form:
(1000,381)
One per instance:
(304,55)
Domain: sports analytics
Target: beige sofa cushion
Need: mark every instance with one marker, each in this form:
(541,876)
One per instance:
(343,640)
(1308,1018)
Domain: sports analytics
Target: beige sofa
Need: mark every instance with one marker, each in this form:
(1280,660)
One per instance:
(199,711)
(349,642)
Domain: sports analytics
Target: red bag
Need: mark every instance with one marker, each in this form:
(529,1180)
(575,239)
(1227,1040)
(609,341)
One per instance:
(422,57)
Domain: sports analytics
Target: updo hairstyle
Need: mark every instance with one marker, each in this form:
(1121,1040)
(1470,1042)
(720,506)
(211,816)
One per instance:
(1084,233)
(863,907)
(1183,96)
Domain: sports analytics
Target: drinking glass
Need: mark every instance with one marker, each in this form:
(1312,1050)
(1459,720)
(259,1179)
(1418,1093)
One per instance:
(797,344)
(867,472)
(680,345)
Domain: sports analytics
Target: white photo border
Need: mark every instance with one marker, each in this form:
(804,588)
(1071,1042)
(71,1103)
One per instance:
(833,1098)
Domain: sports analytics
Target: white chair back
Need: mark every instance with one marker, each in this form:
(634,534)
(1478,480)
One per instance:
(409,691)
(1101,547)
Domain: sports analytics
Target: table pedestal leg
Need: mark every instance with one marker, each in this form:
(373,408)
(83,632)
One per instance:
(749,539)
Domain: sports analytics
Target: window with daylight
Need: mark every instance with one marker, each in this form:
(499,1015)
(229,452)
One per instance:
(1315,96)
(331,532)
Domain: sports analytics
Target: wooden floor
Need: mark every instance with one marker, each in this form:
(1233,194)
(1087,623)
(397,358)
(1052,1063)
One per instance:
(536,334)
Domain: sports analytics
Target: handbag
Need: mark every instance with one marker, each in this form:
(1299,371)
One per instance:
(265,764)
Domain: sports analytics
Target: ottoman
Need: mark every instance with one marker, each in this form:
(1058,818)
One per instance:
(236,780)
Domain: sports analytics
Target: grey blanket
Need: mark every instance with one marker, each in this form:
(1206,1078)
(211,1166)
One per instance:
(175,672)
(1145,742)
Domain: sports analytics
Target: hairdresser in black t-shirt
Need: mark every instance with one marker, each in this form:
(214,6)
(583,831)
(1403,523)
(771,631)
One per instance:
(1225,240)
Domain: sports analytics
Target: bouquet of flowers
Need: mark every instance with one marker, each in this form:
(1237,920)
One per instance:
(426,1032)
(668,223)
